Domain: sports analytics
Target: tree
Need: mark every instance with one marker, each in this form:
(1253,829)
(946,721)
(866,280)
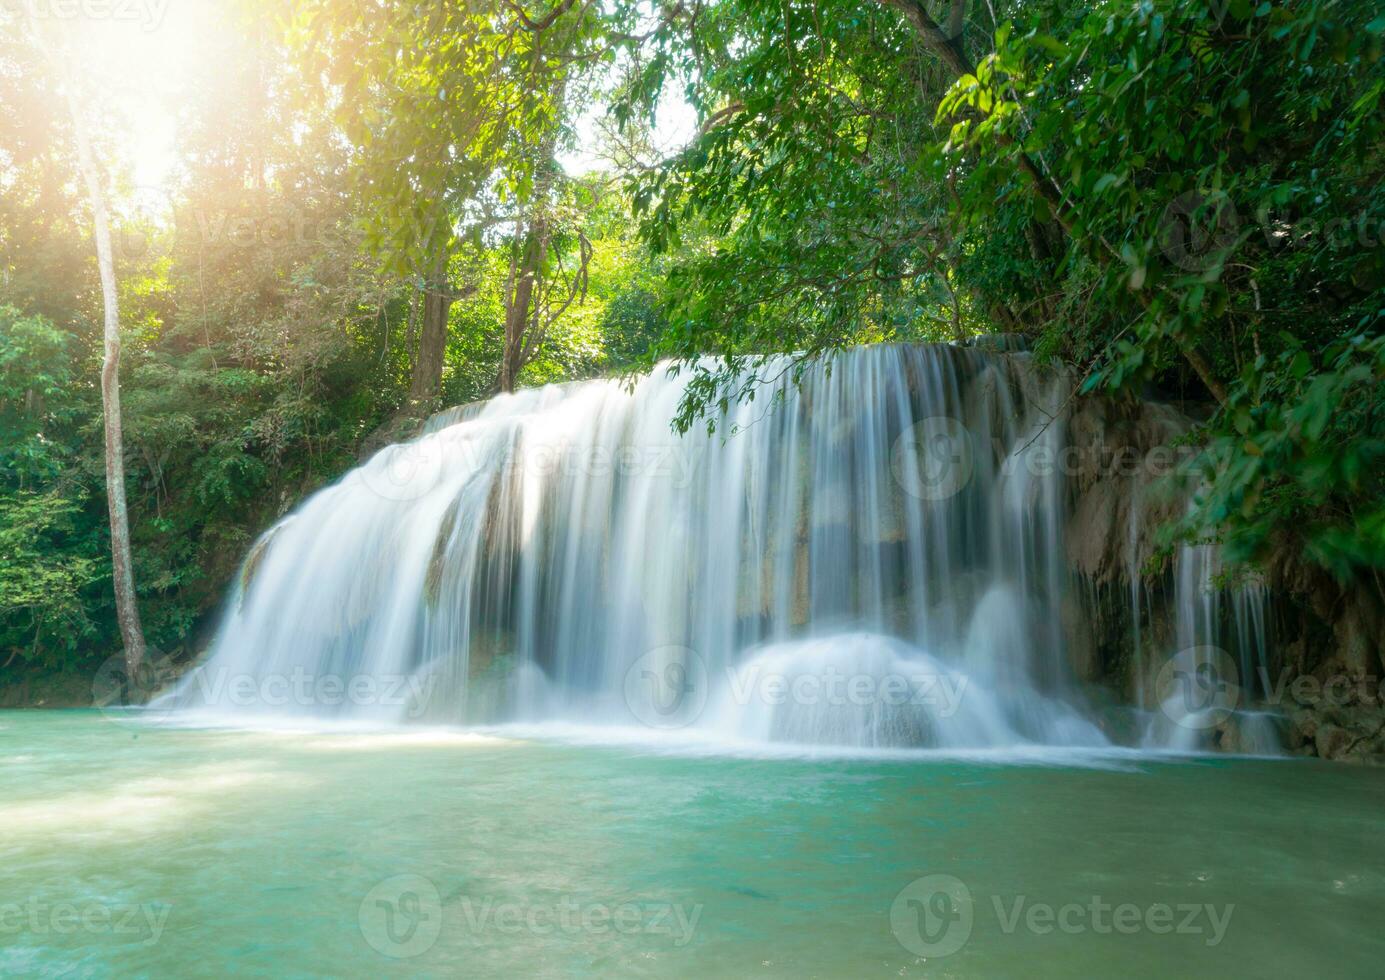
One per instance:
(1042,167)
(531,306)
(456,114)
(123,576)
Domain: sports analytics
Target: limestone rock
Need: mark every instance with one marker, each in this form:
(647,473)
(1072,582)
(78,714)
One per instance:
(1332,741)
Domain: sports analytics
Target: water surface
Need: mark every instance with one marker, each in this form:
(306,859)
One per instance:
(133,849)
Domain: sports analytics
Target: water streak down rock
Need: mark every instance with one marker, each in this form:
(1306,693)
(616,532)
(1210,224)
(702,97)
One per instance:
(905,512)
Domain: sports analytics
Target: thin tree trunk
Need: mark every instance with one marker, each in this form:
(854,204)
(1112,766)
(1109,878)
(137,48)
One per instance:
(126,607)
(517,313)
(432,341)
(526,274)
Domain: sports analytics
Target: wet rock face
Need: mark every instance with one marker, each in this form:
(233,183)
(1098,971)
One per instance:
(1121,464)
(1329,680)
(1347,725)
(1000,343)
(1346,621)
(1122,619)
(1251,733)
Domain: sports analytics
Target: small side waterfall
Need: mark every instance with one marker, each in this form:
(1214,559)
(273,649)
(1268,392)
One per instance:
(1213,676)
(870,558)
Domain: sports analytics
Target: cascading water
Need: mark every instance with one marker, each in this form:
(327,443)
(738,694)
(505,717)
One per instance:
(1210,685)
(871,558)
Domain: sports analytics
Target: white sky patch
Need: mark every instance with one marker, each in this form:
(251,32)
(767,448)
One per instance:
(137,60)
(143,68)
(675,125)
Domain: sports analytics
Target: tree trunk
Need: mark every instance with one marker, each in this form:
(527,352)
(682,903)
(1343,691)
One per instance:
(432,341)
(525,287)
(521,298)
(126,607)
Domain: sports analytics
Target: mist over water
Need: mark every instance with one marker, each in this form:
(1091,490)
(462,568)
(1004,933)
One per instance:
(872,558)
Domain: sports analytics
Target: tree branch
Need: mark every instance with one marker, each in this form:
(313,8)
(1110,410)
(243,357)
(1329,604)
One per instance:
(935,39)
(950,52)
(544,23)
(719,117)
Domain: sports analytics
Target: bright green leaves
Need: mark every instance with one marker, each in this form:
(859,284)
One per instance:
(810,213)
(1218,172)
(46,563)
(979,106)
(445,107)
(36,401)
(43,577)
(1304,453)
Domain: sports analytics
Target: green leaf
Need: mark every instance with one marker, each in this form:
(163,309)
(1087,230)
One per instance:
(1050,44)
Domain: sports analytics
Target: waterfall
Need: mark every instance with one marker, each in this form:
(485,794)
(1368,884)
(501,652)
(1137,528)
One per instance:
(1208,688)
(1135,580)
(870,554)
